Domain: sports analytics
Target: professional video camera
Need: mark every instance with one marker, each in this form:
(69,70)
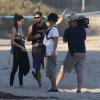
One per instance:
(83,21)
(80,20)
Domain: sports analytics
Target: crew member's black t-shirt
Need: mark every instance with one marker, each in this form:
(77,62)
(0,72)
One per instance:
(75,37)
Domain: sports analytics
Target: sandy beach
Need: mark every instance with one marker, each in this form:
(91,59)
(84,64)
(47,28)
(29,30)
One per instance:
(68,86)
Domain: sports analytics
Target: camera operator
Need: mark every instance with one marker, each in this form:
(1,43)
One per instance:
(75,35)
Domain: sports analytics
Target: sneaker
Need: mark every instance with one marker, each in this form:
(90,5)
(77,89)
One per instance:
(78,91)
(53,90)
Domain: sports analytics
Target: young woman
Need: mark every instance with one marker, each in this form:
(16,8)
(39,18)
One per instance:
(20,57)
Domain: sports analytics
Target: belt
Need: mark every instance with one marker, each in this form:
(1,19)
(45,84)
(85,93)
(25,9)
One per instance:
(37,44)
(18,37)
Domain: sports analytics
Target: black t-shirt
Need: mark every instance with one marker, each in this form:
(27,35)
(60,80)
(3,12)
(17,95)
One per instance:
(38,30)
(75,37)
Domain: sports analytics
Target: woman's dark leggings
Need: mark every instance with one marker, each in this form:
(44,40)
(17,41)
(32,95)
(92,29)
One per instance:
(17,56)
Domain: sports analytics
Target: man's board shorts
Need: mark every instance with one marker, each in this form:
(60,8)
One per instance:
(38,61)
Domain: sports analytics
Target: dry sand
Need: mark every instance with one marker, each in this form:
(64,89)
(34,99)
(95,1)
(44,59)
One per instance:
(91,85)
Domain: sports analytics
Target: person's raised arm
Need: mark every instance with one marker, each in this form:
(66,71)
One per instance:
(60,19)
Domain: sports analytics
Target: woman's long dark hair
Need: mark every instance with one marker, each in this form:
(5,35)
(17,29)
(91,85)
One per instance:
(17,18)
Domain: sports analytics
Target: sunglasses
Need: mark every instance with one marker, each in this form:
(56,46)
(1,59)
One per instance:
(36,17)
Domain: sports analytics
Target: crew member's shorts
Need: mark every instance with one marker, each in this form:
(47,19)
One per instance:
(76,61)
(51,66)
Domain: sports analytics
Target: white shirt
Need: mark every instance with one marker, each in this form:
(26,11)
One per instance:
(49,43)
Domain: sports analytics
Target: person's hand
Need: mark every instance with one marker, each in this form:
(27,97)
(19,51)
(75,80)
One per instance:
(60,19)
(23,49)
(53,53)
(66,11)
(37,36)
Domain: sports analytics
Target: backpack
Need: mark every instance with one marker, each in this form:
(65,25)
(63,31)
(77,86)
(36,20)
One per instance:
(46,32)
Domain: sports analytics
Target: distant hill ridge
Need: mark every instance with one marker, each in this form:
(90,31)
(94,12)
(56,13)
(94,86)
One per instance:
(91,5)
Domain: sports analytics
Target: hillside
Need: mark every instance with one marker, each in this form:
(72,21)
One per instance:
(91,5)
(27,7)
